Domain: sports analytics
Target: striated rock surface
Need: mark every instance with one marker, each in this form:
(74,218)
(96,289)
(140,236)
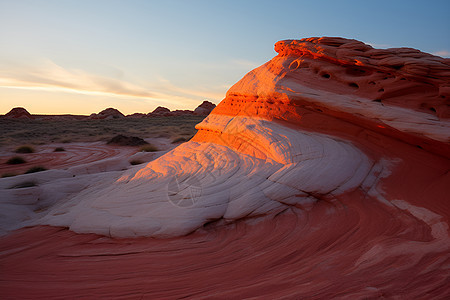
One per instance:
(324,173)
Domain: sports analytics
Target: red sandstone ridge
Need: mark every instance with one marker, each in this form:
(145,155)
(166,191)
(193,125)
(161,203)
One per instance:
(400,76)
(401,92)
(18,113)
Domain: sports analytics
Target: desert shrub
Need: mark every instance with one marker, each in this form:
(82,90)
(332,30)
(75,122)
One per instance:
(123,140)
(35,169)
(59,149)
(136,162)
(179,140)
(148,148)
(16,160)
(25,149)
(5,175)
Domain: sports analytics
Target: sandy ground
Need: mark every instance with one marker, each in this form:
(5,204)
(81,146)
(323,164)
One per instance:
(74,154)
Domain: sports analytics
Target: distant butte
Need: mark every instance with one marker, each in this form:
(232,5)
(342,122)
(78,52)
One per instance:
(111,113)
(18,113)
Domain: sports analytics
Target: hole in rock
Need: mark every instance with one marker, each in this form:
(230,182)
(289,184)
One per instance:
(377,100)
(294,65)
(371,82)
(419,147)
(381,90)
(353,85)
(326,75)
(433,109)
(403,78)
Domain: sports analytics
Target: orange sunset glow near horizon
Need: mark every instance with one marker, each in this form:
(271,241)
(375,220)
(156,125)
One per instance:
(80,57)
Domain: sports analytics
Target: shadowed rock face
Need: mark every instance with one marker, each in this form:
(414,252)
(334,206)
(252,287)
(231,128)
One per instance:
(324,173)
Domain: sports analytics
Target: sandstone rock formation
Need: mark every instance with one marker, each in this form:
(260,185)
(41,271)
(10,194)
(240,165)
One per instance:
(341,148)
(18,113)
(204,109)
(160,111)
(109,113)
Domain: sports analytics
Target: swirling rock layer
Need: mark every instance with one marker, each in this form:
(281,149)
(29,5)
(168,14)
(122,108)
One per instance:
(324,173)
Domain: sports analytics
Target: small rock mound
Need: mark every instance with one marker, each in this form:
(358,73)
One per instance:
(109,113)
(204,109)
(160,111)
(18,113)
(123,140)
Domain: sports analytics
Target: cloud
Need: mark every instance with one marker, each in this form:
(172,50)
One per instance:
(247,64)
(443,53)
(52,76)
(210,92)
(48,76)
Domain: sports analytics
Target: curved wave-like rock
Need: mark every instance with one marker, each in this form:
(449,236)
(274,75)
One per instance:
(344,148)
(283,136)
(202,182)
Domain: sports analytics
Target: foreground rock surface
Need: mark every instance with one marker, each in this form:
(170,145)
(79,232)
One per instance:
(324,173)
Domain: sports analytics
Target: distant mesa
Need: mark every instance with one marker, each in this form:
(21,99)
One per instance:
(18,113)
(109,113)
(160,111)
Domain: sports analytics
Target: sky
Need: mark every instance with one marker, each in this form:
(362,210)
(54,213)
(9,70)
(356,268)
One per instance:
(82,56)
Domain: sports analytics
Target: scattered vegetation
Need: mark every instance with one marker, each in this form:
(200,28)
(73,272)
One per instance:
(5,175)
(179,140)
(25,149)
(38,132)
(136,162)
(148,148)
(16,160)
(59,149)
(35,169)
(25,184)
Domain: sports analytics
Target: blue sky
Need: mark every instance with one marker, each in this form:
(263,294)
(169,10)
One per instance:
(78,56)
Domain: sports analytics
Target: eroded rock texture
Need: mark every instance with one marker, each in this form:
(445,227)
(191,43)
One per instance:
(324,173)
